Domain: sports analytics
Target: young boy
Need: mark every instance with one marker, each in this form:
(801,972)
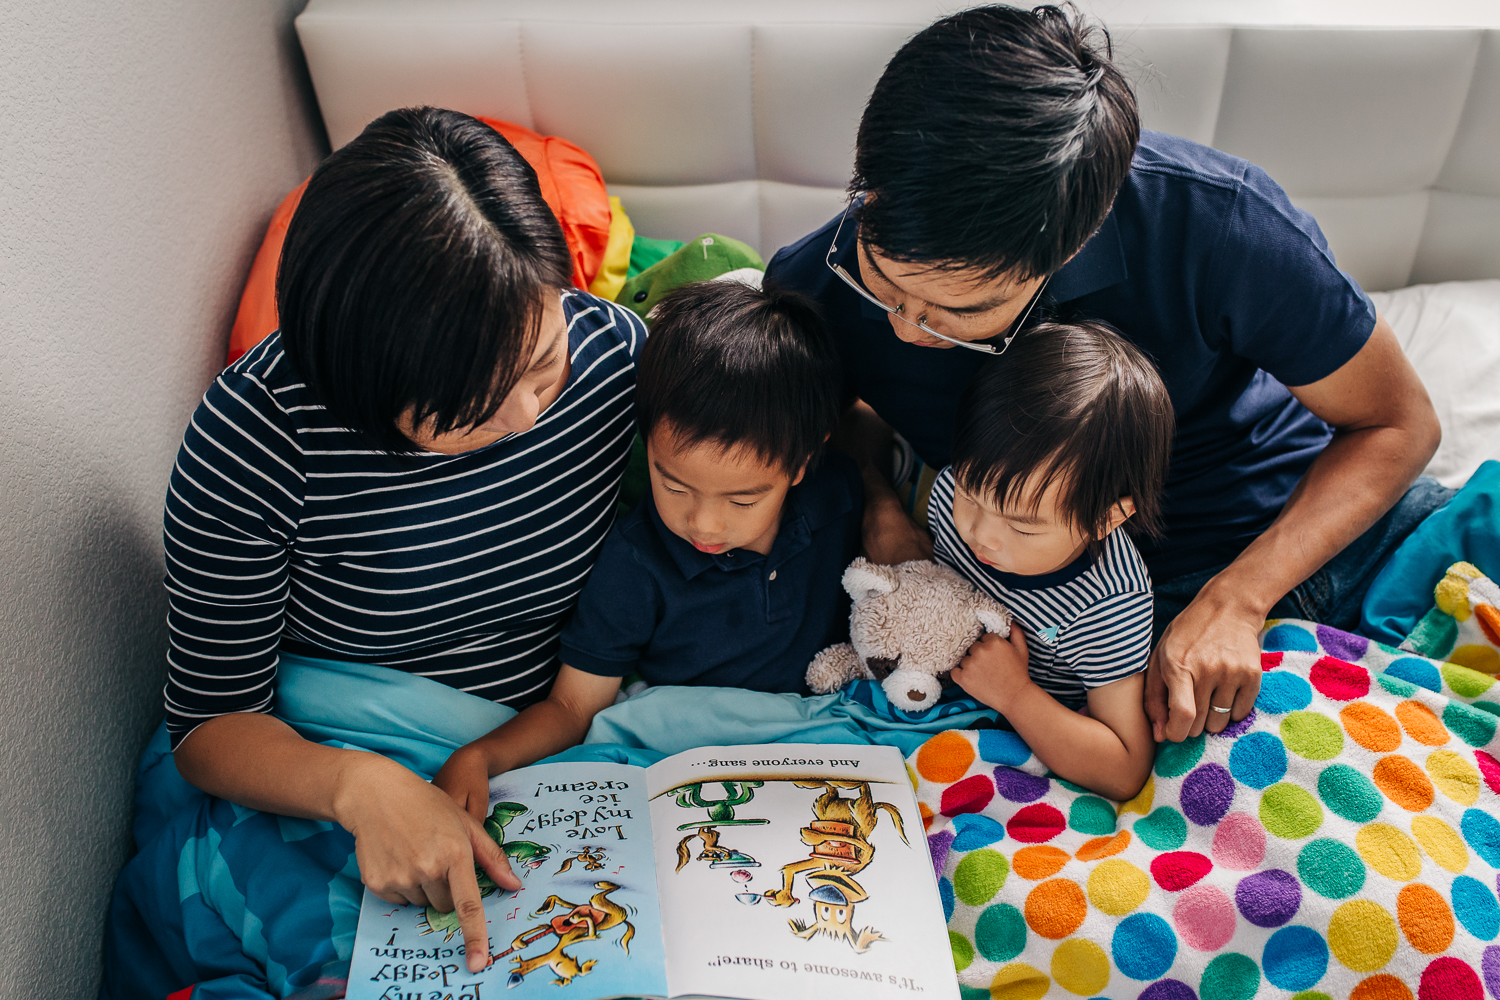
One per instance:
(1059,444)
(727,573)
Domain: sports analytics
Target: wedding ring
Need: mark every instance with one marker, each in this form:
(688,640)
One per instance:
(1216,708)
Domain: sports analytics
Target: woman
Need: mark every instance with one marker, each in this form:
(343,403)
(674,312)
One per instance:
(416,472)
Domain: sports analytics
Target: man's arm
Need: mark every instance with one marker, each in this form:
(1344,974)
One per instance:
(890,535)
(1385,432)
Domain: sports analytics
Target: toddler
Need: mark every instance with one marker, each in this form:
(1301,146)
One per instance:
(1060,444)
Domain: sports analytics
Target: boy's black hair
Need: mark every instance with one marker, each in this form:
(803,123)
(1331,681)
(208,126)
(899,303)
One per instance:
(740,367)
(414,274)
(995,141)
(1074,403)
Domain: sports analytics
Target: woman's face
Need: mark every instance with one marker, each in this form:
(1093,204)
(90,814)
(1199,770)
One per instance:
(541,383)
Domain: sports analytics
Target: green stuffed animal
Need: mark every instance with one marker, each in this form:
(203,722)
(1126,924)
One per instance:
(700,259)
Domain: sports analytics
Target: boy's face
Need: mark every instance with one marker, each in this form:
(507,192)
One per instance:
(717,500)
(1030,535)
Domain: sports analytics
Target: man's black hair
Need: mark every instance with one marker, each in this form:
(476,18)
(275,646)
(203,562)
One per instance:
(742,368)
(414,274)
(1077,404)
(995,141)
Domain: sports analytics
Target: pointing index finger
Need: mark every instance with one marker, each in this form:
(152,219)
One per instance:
(469,906)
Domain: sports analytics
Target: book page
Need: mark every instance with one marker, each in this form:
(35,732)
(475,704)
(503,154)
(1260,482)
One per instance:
(797,871)
(586,918)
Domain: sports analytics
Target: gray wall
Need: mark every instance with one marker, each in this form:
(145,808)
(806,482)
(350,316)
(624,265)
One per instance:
(143,146)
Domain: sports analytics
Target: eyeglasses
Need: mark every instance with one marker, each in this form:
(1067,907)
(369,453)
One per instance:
(921,321)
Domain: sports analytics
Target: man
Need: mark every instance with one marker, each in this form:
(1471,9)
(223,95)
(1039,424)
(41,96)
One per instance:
(1001,173)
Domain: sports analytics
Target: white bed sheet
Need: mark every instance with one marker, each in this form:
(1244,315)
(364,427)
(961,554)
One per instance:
(1451,333)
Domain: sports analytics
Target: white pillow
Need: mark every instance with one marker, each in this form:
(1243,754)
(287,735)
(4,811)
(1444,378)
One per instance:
(1451,333)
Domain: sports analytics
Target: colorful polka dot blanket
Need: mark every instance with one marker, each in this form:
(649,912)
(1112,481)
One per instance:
(1341,841)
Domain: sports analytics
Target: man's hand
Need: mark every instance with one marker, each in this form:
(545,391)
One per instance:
(1209,656)
(1385,431)
(890,534)
(415,845)
(994,669)
(465,776)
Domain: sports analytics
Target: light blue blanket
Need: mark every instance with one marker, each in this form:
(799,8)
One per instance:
(237,903)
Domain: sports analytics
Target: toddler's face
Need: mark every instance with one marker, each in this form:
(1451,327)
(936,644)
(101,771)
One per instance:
(717,500)
(1029,536)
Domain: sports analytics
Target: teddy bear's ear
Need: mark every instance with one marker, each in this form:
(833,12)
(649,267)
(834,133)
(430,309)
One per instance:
(992,615)
(864,579)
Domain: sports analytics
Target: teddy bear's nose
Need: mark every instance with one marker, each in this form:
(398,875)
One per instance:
(917,695)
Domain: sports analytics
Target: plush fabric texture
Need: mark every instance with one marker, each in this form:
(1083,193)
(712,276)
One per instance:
(1465,529)
(701,259)
(1344,839)
(909,626)
(614,268)
(1463,627)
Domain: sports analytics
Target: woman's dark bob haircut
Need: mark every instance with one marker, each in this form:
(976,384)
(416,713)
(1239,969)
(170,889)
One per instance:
(742,368)
(414,275)
(995,142)
(1073,403)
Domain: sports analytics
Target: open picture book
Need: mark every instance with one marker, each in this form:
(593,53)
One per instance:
(759,872)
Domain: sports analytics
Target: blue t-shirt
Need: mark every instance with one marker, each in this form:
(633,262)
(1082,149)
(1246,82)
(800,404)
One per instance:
(656,605)
(1204,264)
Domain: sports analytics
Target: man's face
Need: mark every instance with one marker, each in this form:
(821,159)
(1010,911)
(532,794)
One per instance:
(963,305)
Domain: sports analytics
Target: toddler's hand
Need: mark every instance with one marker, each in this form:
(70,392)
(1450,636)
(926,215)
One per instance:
(994,669)
(466,778)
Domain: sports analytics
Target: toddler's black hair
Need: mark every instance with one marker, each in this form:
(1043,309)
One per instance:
(740,367)
(1074,403)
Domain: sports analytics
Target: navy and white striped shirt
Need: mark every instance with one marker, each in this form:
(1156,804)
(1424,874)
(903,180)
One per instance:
(286,531)
(1086,625)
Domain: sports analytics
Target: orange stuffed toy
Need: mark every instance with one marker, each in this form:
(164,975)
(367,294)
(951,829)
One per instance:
(571,185)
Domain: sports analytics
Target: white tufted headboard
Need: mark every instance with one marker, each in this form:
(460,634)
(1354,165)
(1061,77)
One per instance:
(739,117)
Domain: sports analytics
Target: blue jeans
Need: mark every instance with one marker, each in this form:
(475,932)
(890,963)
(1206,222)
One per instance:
(1334,594)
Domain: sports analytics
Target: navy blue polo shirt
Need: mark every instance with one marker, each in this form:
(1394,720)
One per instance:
(1206,265)
(656,605)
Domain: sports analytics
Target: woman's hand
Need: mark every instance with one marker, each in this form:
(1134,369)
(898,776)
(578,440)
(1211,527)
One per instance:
(415,845)
(465,776)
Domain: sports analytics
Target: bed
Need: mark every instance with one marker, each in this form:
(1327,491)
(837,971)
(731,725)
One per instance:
(1344,840)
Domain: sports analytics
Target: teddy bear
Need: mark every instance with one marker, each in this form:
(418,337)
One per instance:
(909,626)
